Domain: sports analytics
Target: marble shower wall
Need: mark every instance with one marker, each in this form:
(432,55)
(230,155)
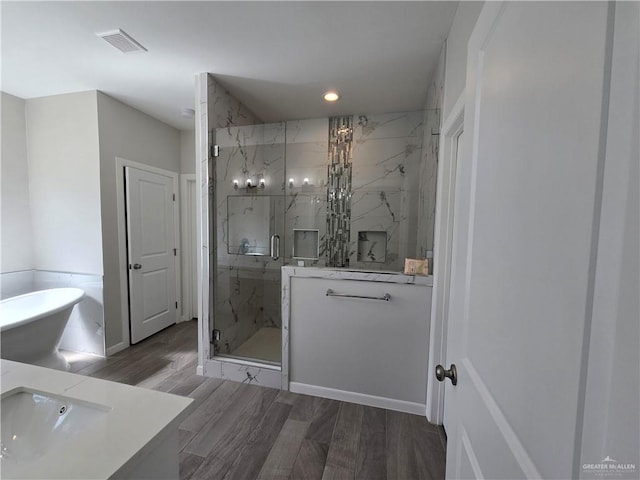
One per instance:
(306,205)
(386,165)
(429,162)
(385,184)
(232,294)
(247,279)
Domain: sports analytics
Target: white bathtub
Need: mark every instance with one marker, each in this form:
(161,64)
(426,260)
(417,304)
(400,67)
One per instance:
(31,326)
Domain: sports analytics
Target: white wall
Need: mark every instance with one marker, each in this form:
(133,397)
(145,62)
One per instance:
(188,151)
(130,134)
(456,62)
(611,417)
(64,182)
(15,228)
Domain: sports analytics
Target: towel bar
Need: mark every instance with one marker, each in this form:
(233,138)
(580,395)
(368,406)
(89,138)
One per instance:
(330,293)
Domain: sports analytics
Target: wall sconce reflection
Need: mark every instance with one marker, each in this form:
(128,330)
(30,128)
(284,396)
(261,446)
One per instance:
(250,183)
(306,182)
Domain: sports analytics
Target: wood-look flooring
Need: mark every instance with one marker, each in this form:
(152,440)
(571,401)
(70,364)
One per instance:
(241,431)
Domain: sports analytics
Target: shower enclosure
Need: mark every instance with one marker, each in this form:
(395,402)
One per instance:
(331,192)
(248,209)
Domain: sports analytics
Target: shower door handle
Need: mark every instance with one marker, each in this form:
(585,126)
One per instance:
(275,247)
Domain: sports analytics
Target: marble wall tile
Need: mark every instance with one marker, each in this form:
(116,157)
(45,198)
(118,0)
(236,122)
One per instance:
(307,149)
(387,155)
(224,110)
(387,125)
(386,165)
(252,152)
(225,293)
(429,162)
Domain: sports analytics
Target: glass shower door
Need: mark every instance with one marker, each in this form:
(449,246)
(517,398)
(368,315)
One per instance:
(249,219)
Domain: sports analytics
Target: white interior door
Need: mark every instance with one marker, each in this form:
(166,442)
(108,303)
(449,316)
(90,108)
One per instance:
(522,266)
(152,252)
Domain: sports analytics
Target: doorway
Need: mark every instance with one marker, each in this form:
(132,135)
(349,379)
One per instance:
(150,271)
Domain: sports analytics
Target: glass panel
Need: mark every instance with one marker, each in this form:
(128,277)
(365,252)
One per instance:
(249,220)
(249,224)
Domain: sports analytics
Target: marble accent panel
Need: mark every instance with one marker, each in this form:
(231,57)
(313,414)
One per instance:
(85,330)
(339,181)
(244,372)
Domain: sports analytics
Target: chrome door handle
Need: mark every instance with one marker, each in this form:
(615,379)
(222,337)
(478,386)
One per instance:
(451,374)
(275,247)
(137,266)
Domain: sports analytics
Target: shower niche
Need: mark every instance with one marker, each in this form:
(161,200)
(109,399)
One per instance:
(372,246)
(306,244)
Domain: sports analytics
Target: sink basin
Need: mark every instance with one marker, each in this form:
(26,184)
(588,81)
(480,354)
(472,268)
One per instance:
(36,424)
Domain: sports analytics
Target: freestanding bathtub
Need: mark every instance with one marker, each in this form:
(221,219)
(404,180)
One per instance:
(31,326)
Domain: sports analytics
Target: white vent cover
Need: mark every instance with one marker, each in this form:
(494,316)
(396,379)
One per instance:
(122,41)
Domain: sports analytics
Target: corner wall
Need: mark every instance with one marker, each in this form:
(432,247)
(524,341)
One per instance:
(64,183)
(215,108)
(456,61)
(16,252)
(130,134)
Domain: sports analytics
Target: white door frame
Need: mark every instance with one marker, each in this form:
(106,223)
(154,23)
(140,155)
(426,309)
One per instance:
(122,242)
(189,233)
(442,254)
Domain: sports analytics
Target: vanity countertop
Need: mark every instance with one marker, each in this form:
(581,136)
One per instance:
(137,418)
(356,274)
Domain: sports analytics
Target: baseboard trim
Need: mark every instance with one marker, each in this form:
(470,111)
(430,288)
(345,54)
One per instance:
(200,370)
(118,347)
(359,398)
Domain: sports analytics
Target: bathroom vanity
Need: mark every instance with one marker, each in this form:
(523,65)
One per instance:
(60,425)
(357,336)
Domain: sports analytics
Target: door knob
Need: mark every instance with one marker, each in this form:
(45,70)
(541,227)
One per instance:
(451,374)
(137,266)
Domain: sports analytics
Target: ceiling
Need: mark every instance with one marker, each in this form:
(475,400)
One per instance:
(276,57)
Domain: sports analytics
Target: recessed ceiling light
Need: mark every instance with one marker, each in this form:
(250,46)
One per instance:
(331,96)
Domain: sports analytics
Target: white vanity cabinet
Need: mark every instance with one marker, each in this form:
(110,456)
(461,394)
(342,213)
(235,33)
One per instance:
(363,350)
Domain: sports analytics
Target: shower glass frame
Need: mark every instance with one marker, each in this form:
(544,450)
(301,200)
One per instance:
(245,291)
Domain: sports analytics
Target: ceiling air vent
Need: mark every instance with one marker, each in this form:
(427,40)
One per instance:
(122,41)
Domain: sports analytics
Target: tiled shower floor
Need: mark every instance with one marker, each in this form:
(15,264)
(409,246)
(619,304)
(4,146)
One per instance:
(264,345)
